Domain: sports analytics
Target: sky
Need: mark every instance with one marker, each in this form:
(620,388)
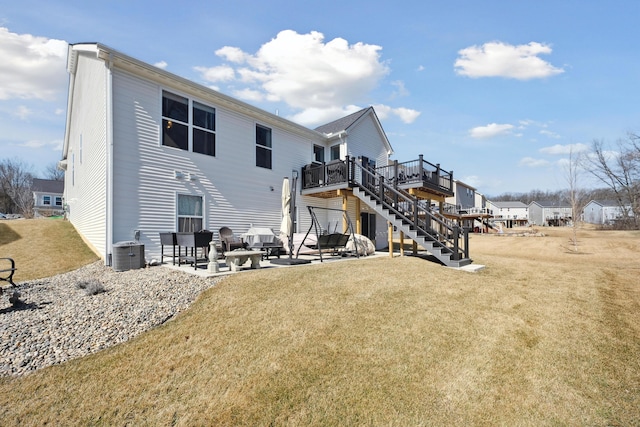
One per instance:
(499,92)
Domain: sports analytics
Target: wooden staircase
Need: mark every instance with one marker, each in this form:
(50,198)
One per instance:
(441,237)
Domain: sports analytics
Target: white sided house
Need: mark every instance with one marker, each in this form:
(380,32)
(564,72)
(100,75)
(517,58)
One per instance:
(147,151)
(549,213)
(603,212)
(511,213)
(47,197)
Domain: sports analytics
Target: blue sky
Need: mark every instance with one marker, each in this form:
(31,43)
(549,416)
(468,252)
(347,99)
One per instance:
(497,91)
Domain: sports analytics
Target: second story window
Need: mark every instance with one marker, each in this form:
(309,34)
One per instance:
(190,132)
(175,121)
(335,152)
(263,147)
(318,153)
(204,126)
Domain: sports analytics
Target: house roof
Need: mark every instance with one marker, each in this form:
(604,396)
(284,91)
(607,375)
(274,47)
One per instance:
(550,204)
(47,186)
(345,123)
(509,204)
(606,203)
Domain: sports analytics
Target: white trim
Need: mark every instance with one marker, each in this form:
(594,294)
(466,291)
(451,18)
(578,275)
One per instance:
(109,170)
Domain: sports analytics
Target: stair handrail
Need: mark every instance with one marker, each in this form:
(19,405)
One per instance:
(392,197)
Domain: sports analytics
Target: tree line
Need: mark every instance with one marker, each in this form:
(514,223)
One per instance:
(615,167)
(16,185)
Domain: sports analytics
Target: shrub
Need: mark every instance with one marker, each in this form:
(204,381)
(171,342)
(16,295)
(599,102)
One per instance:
(91,287)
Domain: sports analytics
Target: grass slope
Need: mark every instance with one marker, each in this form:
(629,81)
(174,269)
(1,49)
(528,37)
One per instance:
(42,247)
(540,337)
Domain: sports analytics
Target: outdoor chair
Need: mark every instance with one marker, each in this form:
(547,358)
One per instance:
(229,241)
(193,241)
(168,239)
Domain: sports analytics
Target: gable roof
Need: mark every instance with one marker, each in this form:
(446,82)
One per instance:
(47,186)
(550,204)
(509,204)
(345,123)
(606,203)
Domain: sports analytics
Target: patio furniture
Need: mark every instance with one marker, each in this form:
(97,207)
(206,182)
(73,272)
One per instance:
(168,239)
(229,241)
(264,239)
(236,258)
(334,242)
(7,272)
(192,242)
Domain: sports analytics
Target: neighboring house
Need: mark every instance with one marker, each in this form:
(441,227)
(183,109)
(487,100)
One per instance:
(603,212)
(464,198)
(467,206)
(511,213)
(47,197)
(549,213)
(146,151)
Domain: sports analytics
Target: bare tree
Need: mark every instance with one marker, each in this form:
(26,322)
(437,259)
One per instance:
(16,179)
(53,172)
(576,195)
(620,171)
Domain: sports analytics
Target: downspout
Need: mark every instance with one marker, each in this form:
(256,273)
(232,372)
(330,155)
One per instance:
(109,168)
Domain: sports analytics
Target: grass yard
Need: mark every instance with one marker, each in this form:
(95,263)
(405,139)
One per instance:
(42,247)
(541,337)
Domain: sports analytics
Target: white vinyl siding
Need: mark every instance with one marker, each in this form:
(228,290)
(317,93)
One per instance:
(86,189)
(236,193)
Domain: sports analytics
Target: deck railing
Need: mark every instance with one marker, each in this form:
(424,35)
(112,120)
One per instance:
(418,172)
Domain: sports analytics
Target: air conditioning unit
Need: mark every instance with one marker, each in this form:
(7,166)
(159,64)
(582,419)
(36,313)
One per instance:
(128,256)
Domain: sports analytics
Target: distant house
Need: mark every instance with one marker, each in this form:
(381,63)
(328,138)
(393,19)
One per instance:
(551,213)
(512,213)
(47,197)
(467,206)
(603,212)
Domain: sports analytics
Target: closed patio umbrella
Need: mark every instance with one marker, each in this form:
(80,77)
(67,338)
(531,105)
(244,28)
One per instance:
(286,225)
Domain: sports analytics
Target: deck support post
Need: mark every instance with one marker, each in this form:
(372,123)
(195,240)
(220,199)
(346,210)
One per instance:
(390,238)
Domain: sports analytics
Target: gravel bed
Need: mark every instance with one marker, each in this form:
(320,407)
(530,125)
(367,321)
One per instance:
(84,311)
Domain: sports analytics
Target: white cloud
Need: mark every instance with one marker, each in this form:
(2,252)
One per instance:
(559,149)
(497,59)
(406,115)
(490,130)
(315,77)
(533,163)
(232,54)
(32,67)
(161,64)
(222,73)
(401,90)
(318,116)
(549,134)
(421,68)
